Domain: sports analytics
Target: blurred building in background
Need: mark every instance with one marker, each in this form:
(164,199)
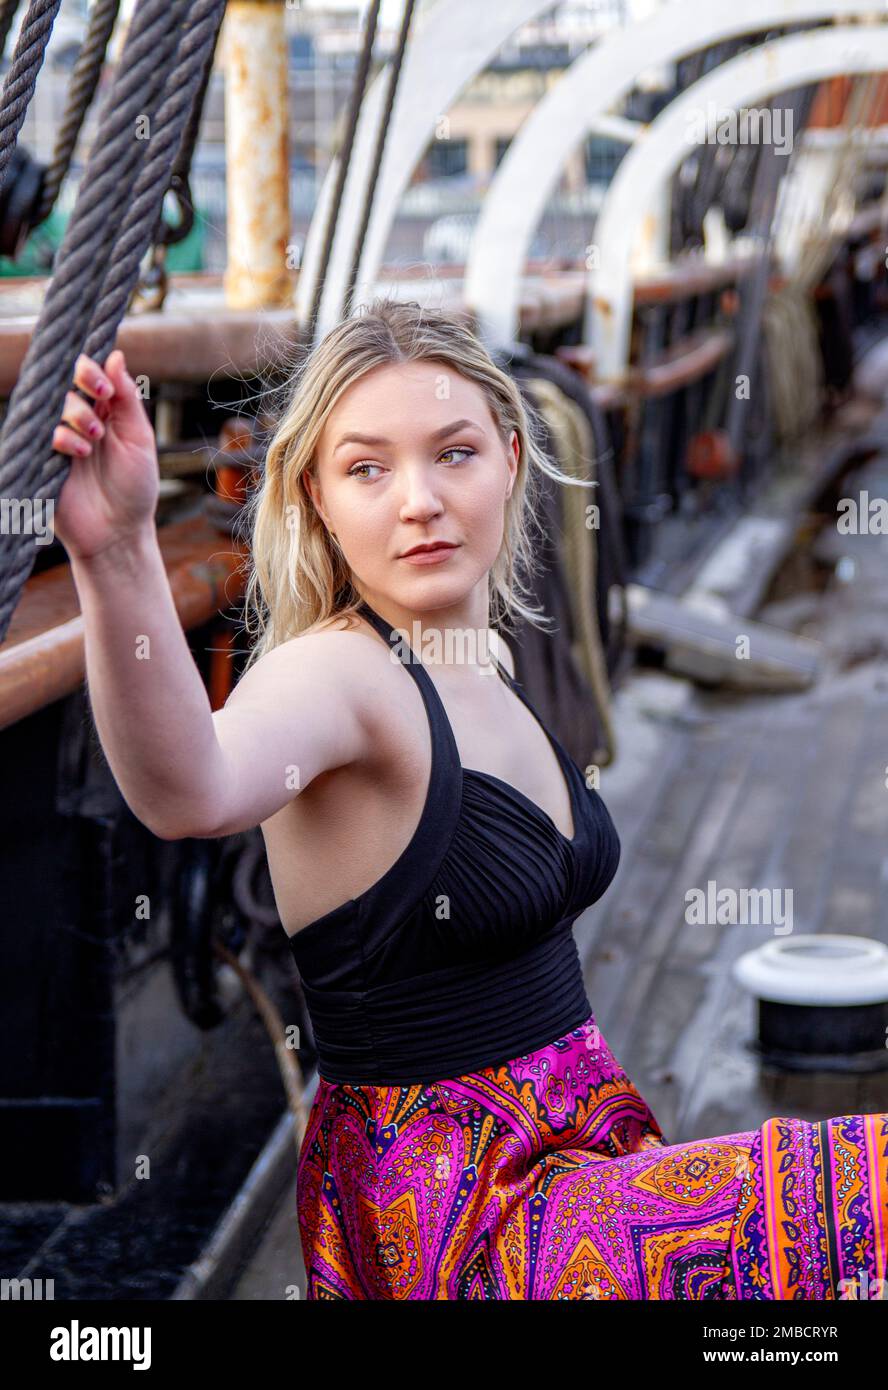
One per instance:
(442,202)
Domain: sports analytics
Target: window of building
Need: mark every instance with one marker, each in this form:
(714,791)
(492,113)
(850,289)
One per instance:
(446,158)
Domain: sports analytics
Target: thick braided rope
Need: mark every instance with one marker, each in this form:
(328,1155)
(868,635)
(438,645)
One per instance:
(181,89)
(84,81)
(82,258)
(38,398)
(27,60)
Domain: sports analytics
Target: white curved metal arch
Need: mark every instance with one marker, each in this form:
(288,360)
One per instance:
(756,75)
(532,165)
(468,34)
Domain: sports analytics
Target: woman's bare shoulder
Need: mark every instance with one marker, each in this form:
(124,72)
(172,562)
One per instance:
(332,653)
(332,630)
(314,703)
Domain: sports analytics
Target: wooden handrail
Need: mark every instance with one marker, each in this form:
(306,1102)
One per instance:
(187,342)
(683,362)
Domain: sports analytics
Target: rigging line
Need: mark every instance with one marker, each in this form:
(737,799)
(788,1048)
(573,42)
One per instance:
(7,15)
(135,235)
(39,392)
(84,82)
(382,134)
(21,80)
(157,36)
(184,85)
(345,154)
(165,234)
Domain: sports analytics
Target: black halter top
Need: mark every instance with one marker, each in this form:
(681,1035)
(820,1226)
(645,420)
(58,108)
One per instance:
(461,956)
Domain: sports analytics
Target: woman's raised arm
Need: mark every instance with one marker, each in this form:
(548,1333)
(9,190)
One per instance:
(183,769)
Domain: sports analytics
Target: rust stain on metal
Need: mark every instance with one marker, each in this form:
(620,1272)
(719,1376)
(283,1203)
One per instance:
(257,156)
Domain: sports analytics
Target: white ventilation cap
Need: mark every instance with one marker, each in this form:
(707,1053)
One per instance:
(817,969)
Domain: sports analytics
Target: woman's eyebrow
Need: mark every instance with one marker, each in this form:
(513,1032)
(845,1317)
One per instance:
(372,439)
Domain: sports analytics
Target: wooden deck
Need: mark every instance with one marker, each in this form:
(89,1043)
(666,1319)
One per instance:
(752,791)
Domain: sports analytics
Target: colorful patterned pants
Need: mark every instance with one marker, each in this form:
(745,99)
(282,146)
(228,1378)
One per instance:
(548,1177)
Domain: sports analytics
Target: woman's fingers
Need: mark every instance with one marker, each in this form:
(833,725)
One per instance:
(82,423)
(68,441)
(88,375)
(80,416)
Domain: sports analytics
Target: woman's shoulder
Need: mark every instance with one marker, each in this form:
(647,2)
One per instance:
(344,643)
(332,651)
(333,632)
(336,623)
(346,640)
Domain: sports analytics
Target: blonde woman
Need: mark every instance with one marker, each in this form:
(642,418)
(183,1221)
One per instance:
(430,844)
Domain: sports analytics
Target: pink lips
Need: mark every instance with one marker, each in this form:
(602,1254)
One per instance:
(430,557)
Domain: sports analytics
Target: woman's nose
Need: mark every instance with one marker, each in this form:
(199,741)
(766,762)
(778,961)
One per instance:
(419,498)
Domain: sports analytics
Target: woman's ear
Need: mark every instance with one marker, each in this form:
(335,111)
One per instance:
(512,457)
(312,491)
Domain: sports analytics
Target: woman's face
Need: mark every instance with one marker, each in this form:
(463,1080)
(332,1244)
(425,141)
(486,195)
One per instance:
(411,455)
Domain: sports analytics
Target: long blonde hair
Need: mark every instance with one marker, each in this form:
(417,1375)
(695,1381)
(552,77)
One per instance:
(297,576)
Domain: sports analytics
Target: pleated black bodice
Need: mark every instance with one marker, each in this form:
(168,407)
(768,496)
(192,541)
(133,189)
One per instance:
(462,955)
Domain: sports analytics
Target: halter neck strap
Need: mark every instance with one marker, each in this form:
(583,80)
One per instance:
(394,636)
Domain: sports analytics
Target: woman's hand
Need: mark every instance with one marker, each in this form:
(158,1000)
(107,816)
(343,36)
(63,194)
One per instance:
(112,489)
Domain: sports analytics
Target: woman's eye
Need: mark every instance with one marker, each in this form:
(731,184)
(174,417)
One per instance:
(354,472)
